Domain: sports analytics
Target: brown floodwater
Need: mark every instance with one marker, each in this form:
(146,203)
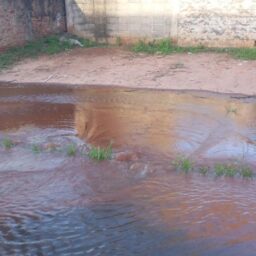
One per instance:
(53,204)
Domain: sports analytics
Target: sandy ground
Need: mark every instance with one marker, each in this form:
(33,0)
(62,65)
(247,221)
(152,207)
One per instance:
(207,71)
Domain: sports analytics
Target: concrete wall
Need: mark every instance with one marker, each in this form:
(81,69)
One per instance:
(188,22)
(22,20)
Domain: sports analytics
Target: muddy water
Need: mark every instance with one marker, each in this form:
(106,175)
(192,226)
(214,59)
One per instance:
(52,204)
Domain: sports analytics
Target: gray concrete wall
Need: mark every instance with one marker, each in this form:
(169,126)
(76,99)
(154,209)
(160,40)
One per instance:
(188,22)
(23,20)
(217,22)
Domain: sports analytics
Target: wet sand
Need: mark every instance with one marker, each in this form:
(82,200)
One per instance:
(97,66)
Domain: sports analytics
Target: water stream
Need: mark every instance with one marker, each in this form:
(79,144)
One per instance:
(54,204)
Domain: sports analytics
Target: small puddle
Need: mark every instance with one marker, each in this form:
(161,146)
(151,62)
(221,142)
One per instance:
(136,203)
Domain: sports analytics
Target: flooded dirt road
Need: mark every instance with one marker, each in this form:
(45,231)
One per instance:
(138,204)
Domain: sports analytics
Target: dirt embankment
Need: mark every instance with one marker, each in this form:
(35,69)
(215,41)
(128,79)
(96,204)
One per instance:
(97,66)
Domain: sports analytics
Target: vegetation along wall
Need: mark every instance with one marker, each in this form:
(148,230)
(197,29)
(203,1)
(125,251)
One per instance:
(188,22)
(22,20)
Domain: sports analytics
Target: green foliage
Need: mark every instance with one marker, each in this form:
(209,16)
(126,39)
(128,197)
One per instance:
(204,170)
(100,154)
(183,163)
(52,45)
(71,150)
(165,46)
(36,148)
(118,41)
(47,45)
(231,110)
(243,53)
(246,172)
(7,143)
(87,43)
(231,171)
(219,170)
(227,170)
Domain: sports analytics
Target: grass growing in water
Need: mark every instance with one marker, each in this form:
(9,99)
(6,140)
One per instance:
(183,163)
(225,170)
(100,154)
(48,45)
(246,172)
(71,150)
(204,170)
(8,143)
(166,46)
(36,148)
(231,110)
(229,170)
(219,169)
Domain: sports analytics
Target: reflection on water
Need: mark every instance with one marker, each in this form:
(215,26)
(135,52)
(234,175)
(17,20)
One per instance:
(51,204)
(169,123)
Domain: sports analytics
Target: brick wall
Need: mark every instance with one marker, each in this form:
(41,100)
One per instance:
(23,20)
(188,22)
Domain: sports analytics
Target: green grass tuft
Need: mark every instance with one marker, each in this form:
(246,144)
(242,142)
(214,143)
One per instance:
(204,170)
(166,46)
(219,170)
(226,170)
(52,45)
(243,53)
(118,41)
(231,171)
(8,143)
(36,148)
(234,169)
(48,45)
(100,154)
(246,172)
(87,43)
(183,163)
(71,150)
(231,110)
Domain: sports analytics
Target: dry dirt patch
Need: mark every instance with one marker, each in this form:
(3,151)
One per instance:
(105,66)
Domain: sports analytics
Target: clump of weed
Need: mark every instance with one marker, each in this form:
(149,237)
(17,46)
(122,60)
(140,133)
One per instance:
(183,163)
(177,65)
(118,41)
(36,148)
(71,150)
(227,170)
(8,143)
(161,46)
(47,45)
(166,46)
(219,170)
(100,154)
(231,171)
(204,170)
(243,53)
(231,110)
(87,43)
(246,172)
(50,147)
